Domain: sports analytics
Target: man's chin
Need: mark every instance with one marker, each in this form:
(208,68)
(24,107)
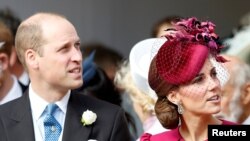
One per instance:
(76,85)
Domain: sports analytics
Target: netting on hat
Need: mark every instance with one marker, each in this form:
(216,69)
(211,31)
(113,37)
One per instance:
(180,59)
(187,64)
(179,62)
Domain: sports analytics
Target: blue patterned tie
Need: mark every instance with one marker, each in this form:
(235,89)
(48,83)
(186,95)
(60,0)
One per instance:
(52,127)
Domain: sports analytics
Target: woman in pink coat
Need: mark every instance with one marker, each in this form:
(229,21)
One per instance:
(187,74)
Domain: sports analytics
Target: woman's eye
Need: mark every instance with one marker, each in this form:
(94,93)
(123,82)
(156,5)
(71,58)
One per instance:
(213,73)
(198,79)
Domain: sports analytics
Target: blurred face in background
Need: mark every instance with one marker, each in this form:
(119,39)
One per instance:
(1,73)
(231,92)
(231,109)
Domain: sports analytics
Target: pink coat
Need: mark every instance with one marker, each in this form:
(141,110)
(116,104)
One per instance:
(172,135)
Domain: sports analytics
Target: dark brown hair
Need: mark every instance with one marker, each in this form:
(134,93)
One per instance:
(166,20)
(7,38)
(165,111)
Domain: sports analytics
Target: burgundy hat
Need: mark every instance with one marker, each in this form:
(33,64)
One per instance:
(178,64)
(182,56)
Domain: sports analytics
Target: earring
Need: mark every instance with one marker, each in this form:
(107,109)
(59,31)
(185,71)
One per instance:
(180,108)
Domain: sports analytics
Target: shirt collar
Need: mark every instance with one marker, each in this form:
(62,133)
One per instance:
(38,104)
(14,92)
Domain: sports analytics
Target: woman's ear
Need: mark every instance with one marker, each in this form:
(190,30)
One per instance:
(173,97)
(245,96)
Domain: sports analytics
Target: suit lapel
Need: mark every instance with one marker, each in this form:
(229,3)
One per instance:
(73,128)
(20,119)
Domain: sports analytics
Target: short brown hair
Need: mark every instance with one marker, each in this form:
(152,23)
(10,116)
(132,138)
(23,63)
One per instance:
(29,34)
(7,38)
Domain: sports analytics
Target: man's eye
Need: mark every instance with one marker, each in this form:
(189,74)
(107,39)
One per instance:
(63,49)
(77,45)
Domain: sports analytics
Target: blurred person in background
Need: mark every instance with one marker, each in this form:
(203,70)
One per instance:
(12,21)
(10,88)
(235,99)
(238,42)
(159,28)
(132,77)
(98,85)
(105,57)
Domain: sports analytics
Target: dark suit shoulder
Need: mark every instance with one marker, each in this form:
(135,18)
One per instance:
(9,105)
(15,106)
(94,102)
(105,111)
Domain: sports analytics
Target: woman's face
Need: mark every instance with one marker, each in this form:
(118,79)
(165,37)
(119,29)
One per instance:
(203,94)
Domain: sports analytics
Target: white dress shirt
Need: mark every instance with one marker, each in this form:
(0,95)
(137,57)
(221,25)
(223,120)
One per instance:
(247,121)
(24,78)
(38,106)
(15,92)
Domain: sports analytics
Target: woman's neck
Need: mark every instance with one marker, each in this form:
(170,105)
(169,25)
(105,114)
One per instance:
(196,128)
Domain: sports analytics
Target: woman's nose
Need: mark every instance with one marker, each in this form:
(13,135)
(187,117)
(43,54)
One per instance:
(214,83)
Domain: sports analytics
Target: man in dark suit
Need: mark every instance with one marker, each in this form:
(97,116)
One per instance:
(49,48)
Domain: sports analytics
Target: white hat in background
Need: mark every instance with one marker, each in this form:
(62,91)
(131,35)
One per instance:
(140,58)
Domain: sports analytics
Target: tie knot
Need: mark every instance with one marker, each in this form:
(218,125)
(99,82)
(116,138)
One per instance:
(51,108)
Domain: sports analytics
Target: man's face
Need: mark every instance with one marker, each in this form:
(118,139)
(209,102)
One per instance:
(60,63)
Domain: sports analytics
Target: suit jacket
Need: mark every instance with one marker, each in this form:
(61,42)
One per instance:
(23,87)
(16,120)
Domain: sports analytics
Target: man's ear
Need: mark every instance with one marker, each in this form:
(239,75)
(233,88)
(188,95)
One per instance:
(173,97)
(13,56)
(245,96)
(31,58)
